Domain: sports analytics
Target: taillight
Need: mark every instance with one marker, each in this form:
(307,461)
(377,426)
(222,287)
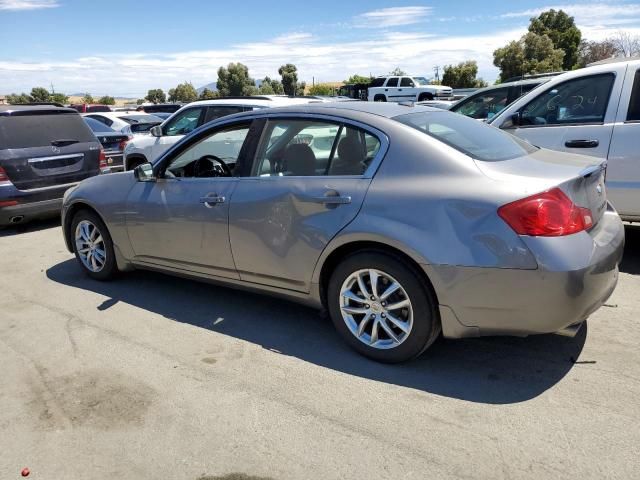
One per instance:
(4,178)
(546,214)
(123,143)
(103,159)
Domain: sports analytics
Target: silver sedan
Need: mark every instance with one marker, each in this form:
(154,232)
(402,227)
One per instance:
(403,222)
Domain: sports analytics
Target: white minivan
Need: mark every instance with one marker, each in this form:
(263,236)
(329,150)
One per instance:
(593,111)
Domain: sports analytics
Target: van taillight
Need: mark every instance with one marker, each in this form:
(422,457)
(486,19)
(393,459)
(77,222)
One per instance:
(103,159)
(4,178)
(546,214)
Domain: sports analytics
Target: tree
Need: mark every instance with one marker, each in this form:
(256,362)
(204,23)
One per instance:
(60,98)
(562,31)
(627,45)
(271,86)
(17,99)
(590,52)
(355,78)
(300,89)
(156,95)
(397,72)
(87,98)
(322,89)
(39,94)
(533,53)
(185,92)
(235,81)
(208,94)
(289,74)
(140,101)
(107,100)
(462,75)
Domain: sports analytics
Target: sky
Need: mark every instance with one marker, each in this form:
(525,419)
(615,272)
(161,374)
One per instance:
(126,47)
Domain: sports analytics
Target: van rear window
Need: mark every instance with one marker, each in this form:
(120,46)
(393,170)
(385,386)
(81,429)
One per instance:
(471,137)
(26,131)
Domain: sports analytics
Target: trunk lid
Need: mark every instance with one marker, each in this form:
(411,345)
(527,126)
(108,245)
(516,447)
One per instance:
(111,141)
(580,177)
(46,148)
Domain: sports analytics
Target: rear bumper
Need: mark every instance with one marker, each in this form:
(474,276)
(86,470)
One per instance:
(576,275)
(29,211)
(31,204)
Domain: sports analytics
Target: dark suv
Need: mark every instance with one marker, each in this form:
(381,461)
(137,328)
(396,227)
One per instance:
(44,150)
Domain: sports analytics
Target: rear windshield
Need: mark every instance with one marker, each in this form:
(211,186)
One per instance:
(471,137)
(97,126)
(133,119)
(26,131)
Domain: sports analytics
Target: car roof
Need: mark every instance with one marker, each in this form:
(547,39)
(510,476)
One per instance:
(262,101)
(381,109)
(8,110)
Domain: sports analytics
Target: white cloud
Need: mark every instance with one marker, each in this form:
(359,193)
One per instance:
(132,75)
(27,4)
(392,17)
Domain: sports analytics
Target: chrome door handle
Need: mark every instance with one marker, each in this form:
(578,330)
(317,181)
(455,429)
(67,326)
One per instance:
(211,201)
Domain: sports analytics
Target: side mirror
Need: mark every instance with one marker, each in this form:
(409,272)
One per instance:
(156,131)
(513,121)
(144,173)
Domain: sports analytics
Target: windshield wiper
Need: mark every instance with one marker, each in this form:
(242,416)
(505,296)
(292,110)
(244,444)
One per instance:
(63,142)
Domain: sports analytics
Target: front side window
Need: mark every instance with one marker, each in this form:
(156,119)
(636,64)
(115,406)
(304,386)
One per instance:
(393,82)
(313,148)
(184,122)
(215,155)
(406,82)
(475,139)
(483,106)
(633,114)
(577,101)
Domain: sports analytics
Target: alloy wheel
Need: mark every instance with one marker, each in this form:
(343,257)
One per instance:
(376,308)
(90,246)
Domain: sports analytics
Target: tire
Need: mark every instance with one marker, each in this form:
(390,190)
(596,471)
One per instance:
(420,320)
(379,98)
(135,161)
(107,264)
(425,96)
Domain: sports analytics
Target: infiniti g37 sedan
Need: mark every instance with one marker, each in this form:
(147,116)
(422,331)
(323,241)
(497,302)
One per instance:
(403,222)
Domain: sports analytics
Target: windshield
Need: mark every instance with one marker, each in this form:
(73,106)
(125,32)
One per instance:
(473,138)
(421,81)
(134,119)
(97,126)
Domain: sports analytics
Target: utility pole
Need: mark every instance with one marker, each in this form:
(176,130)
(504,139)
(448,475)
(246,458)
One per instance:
(436,69)
(52,89)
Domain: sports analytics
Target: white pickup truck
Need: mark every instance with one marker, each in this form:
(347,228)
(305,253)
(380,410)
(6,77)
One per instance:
(594,111)
(402,89)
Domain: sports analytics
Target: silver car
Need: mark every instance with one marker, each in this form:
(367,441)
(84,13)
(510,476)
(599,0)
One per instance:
(403,222)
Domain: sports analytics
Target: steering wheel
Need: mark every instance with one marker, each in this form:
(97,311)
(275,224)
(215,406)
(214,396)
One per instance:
(204,167)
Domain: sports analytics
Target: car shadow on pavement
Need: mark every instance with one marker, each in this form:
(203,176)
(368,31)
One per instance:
(497,370)
(33,226)
(631,261)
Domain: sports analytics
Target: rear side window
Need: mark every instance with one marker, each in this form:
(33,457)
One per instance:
(377,82)
(222,111)
(475,139)
(483,106)
(578,101)
(634,103)
(393,82)
(26,131)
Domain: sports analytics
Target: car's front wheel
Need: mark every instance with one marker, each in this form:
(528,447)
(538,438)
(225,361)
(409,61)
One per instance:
(382,307)
(93,246)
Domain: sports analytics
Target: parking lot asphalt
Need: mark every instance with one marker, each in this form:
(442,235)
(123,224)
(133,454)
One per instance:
(152,377)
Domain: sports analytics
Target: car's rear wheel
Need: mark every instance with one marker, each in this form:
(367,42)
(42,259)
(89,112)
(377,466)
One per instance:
(93,246)
(382,307)
(379,98)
